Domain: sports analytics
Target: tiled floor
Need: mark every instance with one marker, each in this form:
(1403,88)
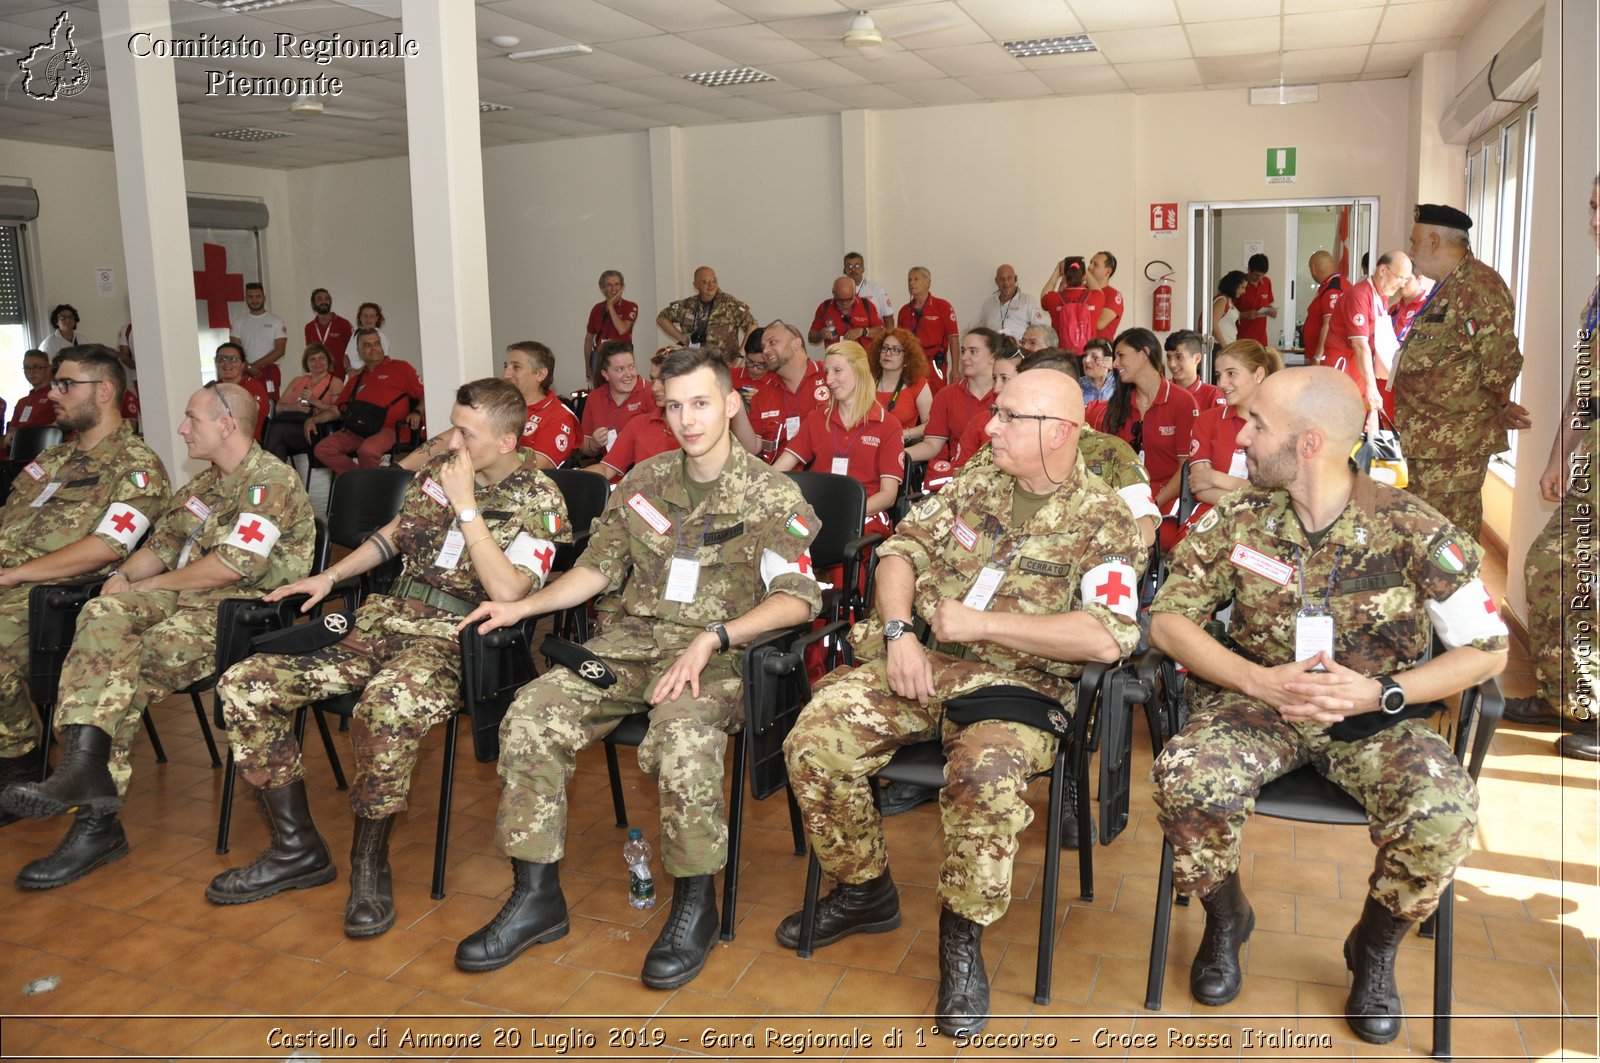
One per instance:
(148,968)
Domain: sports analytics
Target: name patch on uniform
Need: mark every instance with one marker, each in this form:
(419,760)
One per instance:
(35,470)
(652,516)
(197,507)
(1042,568)
(722,535)
(1382,581)
(965,535)
(431,488)
(1259,563)
(254,533)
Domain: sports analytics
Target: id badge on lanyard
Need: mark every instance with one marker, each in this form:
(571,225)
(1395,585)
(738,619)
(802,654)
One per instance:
(1313,623)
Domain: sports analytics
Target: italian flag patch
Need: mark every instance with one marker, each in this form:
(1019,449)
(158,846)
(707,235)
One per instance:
(552,521)
(139,479)
(796,526)
(1449,557)
(257,493)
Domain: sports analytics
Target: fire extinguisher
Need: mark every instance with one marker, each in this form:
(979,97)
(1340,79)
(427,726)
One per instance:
(1161,297)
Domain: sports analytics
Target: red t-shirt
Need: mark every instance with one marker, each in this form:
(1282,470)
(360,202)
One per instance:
(1206,395)
(933,325)
(973,437)
(258,391)
(904,407)
(1167,433)
(862,315)
(1404,312)
(33,409)
(600,325)
(1109,299)
(871,450)
(1254,297)
(1356,315)
(643,437)
(551,429)
(603,411)
(335,336)
(391,380)
(953,409)
(1322,305)
(777,414)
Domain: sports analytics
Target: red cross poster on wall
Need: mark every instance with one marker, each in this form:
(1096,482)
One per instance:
(224,261)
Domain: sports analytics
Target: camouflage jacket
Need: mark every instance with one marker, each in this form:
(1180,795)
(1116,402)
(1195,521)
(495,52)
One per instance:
(1388,566)
(726,323)
(256,519)
(752,536)
(1075,553)
(113,491)
(1459,355)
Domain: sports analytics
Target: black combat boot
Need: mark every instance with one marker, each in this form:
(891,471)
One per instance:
(82,782)
(1373,1009)
(684,943)
(1534,712)
(92,841)
(535,912)
(963,1007)
(296,858)
(1069,815)
(29,767)
(370,910)
(1584,741)
(870,907)
(895,798)
(1215,977)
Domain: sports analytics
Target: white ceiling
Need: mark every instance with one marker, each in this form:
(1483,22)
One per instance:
(947,51)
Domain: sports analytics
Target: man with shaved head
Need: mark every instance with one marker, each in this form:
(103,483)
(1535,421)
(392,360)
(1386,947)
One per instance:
(1330,286)
(1338,584)
(1010,310)
(1022,568)
(846,316)
(240,528)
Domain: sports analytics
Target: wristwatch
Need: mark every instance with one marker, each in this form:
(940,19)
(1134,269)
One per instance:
(1393,697)
(468,515)
(895,628)
(721,631)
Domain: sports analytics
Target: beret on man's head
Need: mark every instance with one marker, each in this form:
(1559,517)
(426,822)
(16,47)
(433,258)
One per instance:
(1441,214)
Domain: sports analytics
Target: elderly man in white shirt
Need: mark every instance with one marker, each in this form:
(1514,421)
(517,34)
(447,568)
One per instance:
(855,267)
(1010,310)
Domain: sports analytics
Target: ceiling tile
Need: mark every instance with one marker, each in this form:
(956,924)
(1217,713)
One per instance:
(603,65)
(670,55)
(1402,57)
(935,93)
(1010,20)
(866,97)
(603,96)
(1123,14)
(1088,79)
(1243,36)
(772,10)
(739,107)
(538,77)
(1176,73)
(752,45)
(320,18)
(669,89)
(929,25)
(620,120)
(578,20)
(1323,62)
(679,16)
(1331,29)
(1241,69)
(1301,7)
(967,59)
(1143,46)
(815,74)
(556,123)
(1219,10)
(1422,21)
(1018,86)
(888,69)
(800,103)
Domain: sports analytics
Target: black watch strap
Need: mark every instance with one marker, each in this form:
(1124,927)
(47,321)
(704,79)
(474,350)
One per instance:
(721,631)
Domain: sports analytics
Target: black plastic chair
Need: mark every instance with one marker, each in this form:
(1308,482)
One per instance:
(840,503)
(1305,796)
(922,764)
(585,494)
(753,756)
(361,502)
(34,440)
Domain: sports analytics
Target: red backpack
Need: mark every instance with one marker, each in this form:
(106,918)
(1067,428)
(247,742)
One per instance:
(1075,326)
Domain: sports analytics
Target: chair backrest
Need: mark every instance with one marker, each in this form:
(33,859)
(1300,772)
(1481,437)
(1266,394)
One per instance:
(364,500)
(53,610)
(34,440)
(493,668)
(841,506)
(585,494)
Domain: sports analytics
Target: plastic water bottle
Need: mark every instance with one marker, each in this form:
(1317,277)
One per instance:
(641,885)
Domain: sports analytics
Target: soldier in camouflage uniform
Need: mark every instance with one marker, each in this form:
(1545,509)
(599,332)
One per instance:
(709,318)
(78,508)
(1453,374)
(476,523)
(1022,568)
(699,550)
(243,526)
(1325,565)
(1561,592)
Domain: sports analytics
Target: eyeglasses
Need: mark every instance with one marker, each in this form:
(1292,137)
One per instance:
(887,349)
(64,384)
(221,397)
(1006,416)
(223,359)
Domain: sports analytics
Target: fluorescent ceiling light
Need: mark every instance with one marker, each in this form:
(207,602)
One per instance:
(1077,42)
(556,52)
(739,75)
(1278,95)
(239,7)
(249,133)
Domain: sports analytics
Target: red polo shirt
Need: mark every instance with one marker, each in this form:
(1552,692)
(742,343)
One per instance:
(903,407)
(600,325)
(382,386)
(1110,299)
(862,315)
(1254,297)
(1168,431)
(1206,395)
(643,437)
(1216,433)
(933,325)
(258,391)
(871,450)
(335,336)
(33,409)
(1356,315)
(777,414)
(1404,312)
(603,411)
(973,437)
(1322,305)
(953,409)
(551,429)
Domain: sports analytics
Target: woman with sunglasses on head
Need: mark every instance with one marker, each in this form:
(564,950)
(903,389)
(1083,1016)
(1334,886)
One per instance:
(902,373)
(1149,412)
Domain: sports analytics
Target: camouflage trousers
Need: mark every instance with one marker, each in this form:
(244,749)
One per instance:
(19,727)
(1454,487)
(131,650)
(1561,610)
(408,684)
(851,728)
(1421,805)
(559,714)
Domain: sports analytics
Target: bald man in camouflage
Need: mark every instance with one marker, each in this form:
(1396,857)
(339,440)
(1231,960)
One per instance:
(1336,582)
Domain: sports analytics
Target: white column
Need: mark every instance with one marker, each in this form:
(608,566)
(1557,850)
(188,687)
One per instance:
(1433,166)
(855,186)
(672,280)
(447,219)
(148,156)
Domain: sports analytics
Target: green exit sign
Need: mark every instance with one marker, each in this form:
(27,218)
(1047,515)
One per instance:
(1280,166)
